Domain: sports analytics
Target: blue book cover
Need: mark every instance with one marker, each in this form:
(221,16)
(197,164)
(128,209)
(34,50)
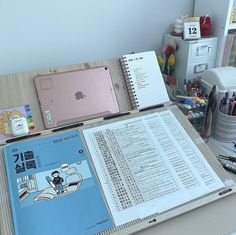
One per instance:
(53,189)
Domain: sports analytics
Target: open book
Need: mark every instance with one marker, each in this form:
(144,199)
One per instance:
(151,165)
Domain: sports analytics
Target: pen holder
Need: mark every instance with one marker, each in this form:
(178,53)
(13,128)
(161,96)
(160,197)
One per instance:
(194,115)
(225,127)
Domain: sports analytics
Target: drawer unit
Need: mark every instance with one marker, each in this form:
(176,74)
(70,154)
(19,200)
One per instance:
(196,68)
(204,48)
(192,58)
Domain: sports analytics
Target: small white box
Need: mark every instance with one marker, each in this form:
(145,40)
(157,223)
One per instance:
(19,126)
(224,125)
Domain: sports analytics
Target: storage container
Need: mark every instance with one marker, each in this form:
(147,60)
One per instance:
(224,125)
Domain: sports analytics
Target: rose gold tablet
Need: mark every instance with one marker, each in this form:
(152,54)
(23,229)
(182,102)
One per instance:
(75,96)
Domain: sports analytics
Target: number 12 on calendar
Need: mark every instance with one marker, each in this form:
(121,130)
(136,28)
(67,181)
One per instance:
(191,30)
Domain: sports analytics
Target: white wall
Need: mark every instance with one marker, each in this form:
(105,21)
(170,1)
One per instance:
(46,33)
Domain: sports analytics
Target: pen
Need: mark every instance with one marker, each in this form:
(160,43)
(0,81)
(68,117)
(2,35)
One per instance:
(68,127)
(228,158)
(22,137)
(152,107)
(188,97)
(115,115)
(230,168)
(224,161)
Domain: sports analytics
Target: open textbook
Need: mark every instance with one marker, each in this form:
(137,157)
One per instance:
(148,165)
(110,176)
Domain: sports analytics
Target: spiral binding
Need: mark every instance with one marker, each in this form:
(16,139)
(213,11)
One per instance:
(129,82)
(6,223)
(120,227)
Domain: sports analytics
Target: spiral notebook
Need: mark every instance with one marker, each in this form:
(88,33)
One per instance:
(144,79)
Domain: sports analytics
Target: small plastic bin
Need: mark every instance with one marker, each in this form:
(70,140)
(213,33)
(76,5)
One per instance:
(223,125)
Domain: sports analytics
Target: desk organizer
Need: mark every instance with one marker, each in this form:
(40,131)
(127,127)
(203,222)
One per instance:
(223,125)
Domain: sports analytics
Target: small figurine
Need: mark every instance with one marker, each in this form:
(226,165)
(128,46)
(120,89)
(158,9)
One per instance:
(205,26)
(178,27)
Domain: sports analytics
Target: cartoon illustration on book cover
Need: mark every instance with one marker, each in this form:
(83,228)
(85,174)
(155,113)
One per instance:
(50,179)
(48,185)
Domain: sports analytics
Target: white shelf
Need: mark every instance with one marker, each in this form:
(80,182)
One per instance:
(232,26)
(220,13)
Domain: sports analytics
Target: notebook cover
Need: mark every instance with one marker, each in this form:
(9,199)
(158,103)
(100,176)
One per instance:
(144,79)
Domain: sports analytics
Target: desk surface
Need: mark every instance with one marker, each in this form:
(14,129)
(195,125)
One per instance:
(216,218)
